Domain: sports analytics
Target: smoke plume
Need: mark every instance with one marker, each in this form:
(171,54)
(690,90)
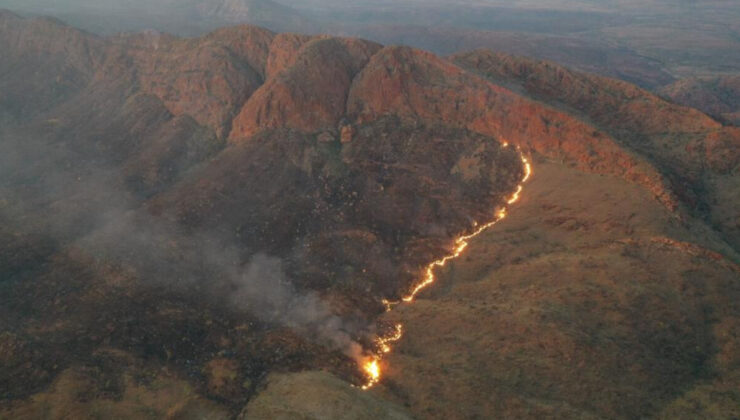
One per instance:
(82,203)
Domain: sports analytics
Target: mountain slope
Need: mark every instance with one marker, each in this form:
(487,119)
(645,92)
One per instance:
(697,153)
(188,221)
(717,96)
(584,303)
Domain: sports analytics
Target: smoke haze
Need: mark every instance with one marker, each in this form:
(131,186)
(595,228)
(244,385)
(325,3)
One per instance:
(79,203)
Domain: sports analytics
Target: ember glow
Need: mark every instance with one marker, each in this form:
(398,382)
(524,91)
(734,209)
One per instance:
(371,366)
(383,342)
(462,242)
(372,370)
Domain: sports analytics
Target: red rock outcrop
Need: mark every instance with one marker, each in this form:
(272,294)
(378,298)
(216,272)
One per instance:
(698,155)
(241,81)
(250,43)
(408,82)
(635,117)
(309,95)
(208,79)
(284,52)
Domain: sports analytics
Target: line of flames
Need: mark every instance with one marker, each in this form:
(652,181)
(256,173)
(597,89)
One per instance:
(371,365)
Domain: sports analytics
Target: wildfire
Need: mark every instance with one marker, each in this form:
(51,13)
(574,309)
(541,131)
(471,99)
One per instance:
(527,169)
(372,370)
(371,367)
(388,305)
(383,341)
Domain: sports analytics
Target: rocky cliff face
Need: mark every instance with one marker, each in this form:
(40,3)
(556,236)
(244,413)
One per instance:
(308,95)
(195,214)
(419,84)
(206,80)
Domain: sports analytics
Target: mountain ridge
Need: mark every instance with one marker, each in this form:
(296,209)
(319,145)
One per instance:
(193,220)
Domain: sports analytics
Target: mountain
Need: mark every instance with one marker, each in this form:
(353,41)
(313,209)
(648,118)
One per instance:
(717,96)
(185,17)
(651,44)
(213,226)
(263,12)
(698,166)
(578,52)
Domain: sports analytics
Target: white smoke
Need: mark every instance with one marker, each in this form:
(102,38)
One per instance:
(83,205)
(263,288)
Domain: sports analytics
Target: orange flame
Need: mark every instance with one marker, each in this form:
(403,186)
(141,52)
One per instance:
(383,341)
(371,367)
(462,242)
(372,370)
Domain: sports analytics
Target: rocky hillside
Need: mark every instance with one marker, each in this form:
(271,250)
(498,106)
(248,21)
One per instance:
(589,301)
(717,96)
(188,223)
(574,50)
(696,153)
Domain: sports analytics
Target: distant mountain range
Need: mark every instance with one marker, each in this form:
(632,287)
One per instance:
(651,44)
(190,17)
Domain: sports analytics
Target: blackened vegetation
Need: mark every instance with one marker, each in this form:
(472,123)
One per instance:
(106,263)
(360,218)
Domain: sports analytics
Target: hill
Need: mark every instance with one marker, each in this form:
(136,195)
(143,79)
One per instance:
(717,96)
(196,226)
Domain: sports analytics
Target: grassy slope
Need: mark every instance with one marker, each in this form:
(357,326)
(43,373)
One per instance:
(584,303)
